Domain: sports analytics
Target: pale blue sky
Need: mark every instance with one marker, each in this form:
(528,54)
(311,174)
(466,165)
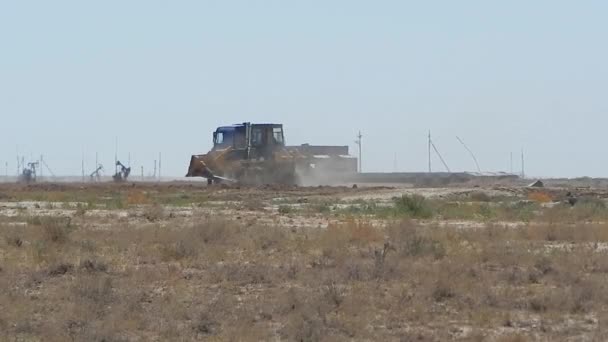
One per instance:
(162,75)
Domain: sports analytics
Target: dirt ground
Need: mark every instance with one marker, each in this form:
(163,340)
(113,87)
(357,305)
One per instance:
(183,261)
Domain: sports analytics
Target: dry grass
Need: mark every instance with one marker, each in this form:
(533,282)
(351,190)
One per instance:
(154,277)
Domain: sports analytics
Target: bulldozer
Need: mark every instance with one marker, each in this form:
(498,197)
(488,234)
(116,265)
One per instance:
(256,154)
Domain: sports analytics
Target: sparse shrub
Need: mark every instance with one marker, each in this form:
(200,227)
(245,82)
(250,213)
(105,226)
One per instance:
(412,241)
(244,274)
(93,265)
(420,245)
(323,207)
(379,260)
(592,202)
(540,197)
(205,324)
(458,210)
(90,205)
(519,211)
(538,303)
(56,230)
(513,337)
(116,202)
(154,212)
(480,196)
(589,209)
(178,250)
(354,271)
(414,206)
(34,220)
(443,291)
(356,232)
(12,238)
(333,293)
(544,265)
(95,289)
(362,232)
(304,327)
(285,209)
(60,269)
(486,211)
(25,327)
(267,237)
(214,231)
(292,270)
(39,251)
(80,210)
(137,197)
(586,294)
(88,246)
(253,205)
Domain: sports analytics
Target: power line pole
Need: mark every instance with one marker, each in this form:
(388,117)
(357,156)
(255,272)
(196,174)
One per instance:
(432,145)
(471,153)
(429,150)
(441,158)
(358,142)
(523,169)
(159,165)
(116,156)
(82,166)
(18,161)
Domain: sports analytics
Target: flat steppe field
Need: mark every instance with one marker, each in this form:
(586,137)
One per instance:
(183,262)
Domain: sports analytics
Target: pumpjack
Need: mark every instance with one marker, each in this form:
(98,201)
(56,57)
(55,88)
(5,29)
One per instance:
(28,175)
(122,172)
(96,175)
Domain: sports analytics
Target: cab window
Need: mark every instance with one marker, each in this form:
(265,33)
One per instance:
(219,138)
(277,135)
(256,137)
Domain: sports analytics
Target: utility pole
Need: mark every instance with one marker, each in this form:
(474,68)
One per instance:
(116,156)
(511,164)
(142,173)
(523,169)
(358,142)
(429,150)
(154,176)
(82,166)
(432,145)
(159,166)
(471,153)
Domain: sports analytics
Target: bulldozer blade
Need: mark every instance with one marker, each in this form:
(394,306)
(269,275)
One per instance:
(223,179)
